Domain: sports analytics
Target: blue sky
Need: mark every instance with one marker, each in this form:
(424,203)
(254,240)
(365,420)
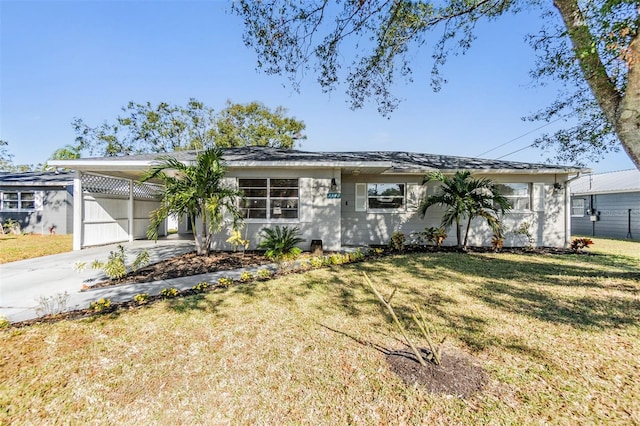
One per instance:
(65,59)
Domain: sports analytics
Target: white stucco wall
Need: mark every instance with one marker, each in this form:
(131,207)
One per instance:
(546,216)
(318,216)
(337,223)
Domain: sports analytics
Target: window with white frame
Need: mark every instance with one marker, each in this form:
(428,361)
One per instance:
(269,198)
(20,200)
(380,196)
(577,207)
(518,194)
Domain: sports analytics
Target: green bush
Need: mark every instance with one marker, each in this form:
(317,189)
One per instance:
(116,265)
(225,282)
(4,323)
(317,262)
(200,287)
(246,276)
(169,292)
(100,305)
(264,274)
(141,298)
(435,235)
(397,241)
(280,243)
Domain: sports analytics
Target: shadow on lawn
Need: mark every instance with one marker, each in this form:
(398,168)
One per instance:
(529,287)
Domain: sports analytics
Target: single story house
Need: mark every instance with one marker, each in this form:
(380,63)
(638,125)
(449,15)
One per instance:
(340,198)
(607,205)
(41,202)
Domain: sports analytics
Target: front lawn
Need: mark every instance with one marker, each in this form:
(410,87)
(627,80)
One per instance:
(27,246)
(558,337)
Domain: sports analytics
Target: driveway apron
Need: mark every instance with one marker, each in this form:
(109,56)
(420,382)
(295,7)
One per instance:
(26,284)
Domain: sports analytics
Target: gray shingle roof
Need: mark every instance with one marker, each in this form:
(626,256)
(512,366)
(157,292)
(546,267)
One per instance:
(620,181)
(399,161)
(36,178)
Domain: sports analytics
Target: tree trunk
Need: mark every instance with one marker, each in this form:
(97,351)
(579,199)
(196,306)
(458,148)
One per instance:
(466,234)
(196,237)
(623,112)
(206,242)
(628,123)
(458,232)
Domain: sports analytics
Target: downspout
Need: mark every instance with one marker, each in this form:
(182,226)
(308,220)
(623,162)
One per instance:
(567,210)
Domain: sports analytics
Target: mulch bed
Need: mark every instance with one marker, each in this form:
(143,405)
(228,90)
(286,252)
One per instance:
(188,264)
(456,375)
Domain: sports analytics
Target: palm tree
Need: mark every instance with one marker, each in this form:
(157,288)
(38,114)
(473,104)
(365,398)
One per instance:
(465,197)
(194,190)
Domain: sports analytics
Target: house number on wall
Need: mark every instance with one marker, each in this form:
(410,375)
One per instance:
(333,195)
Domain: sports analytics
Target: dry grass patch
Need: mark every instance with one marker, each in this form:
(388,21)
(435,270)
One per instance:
(28,246)
(559,337)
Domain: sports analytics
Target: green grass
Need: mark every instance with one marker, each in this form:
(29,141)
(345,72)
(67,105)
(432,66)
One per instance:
(559,336)
(28,246)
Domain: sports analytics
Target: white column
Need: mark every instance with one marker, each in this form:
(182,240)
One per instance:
(130,210)
(567,214)
(78,210)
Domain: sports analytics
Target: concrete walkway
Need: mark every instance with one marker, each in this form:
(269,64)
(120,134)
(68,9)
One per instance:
(24,285)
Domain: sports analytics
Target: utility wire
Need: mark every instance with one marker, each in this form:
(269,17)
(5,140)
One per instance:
(519,137)
(517,150)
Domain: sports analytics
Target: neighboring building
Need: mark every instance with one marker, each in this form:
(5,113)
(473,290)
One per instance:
(41,202)
(343,198)
(607,205)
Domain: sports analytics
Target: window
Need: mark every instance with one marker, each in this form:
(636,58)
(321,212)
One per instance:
(577,207)
(380,196)
(269,198)
(518,194)
(20,200)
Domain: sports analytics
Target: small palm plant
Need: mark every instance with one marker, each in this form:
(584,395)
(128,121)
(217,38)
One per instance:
(465,197)
(280,243)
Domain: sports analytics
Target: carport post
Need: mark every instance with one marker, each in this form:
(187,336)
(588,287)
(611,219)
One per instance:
(130,210)
(78,202)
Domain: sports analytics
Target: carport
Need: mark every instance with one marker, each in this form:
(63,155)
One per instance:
(110,204)
(111,209)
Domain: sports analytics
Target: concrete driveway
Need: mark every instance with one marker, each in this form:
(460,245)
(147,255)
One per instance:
(26,283)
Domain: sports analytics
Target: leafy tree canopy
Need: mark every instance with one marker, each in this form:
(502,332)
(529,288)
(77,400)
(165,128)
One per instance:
(593,49)
(196,191)
(145,128)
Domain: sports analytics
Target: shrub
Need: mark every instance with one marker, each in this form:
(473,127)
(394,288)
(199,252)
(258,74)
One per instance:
(246,276)
(100,305)
(141,298)
(336,259)
(280,243)
(200,287)
(169,292)
(52,305)
(497,242)
(525,230)
(397,241)
(116,265)
(141,260)
(578,244)
(225,282)
(435,235)
(11,226)
(4,323)
(316,262)
(236,240)
(264,274)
